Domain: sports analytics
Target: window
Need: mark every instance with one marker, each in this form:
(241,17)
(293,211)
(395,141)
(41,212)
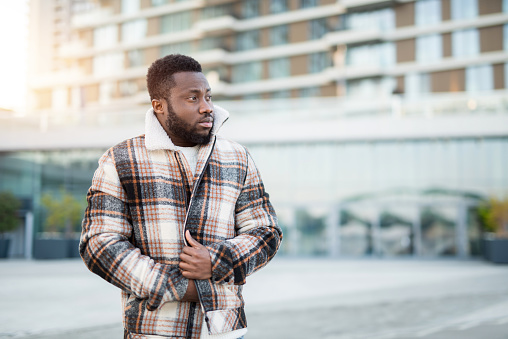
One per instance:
(107,64)
(134,30)
(106,92)
(505,37)
(216,11)
(250,71)
(464,9)
(465,43)
(128,87)
(505,6)
(278,6)
(182,48)
(175,22)
(135,58)
(130,6)
(279,35)
(105,36)
(318,62)
(156,3)
(427,12)
(279,68)
(309,3)
(59,98)
(250,9)
(309,92)
(383,20)
(247,40)
(506,75)
(371,55)
(369,88)
(211,43)
(416,84)
(429,48)
(317,28)
(284,94)
(479,78)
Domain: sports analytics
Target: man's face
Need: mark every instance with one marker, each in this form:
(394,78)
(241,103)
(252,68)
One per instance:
(188,110)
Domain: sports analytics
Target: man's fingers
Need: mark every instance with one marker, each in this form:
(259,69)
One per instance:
(187,258)
(189,250)
(185,266)
(191,240)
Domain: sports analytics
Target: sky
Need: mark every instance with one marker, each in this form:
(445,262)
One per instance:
(13,47)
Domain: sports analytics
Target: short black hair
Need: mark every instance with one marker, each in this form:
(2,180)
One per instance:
(159,78)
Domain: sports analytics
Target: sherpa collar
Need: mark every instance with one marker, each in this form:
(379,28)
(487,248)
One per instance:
(156,137)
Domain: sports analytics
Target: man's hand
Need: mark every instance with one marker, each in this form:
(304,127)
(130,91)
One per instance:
(195,260)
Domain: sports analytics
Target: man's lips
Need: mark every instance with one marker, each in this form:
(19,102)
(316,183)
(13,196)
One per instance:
(207,123)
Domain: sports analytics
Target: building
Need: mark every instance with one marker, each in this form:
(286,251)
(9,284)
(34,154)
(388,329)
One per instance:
(379,123)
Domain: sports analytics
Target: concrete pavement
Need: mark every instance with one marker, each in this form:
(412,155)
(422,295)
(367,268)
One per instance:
(290,298)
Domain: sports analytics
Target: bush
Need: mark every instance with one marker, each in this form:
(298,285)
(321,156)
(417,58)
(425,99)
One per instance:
(493,216)
(9,206)
(63,214)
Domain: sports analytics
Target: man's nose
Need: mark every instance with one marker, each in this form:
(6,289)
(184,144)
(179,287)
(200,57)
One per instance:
(206,107)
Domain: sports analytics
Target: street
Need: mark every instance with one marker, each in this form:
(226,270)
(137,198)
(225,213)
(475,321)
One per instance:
(290,298)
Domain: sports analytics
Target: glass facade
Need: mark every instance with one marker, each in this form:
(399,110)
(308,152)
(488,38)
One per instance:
(379,198)
(393,198)
(31,175)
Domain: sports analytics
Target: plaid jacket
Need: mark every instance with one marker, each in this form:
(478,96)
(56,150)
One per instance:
(142,199)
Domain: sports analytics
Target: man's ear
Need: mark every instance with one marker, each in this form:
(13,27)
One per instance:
(158,106)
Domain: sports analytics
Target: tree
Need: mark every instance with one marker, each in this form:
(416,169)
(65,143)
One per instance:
(63,214)
(9,206)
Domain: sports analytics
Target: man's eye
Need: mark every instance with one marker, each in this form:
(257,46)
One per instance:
(209,97)
(193,98)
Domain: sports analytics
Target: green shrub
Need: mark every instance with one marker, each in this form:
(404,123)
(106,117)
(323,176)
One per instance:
(493,216)
(63,214)
(9,206)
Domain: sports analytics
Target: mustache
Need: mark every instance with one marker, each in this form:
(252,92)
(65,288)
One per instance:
(207,118)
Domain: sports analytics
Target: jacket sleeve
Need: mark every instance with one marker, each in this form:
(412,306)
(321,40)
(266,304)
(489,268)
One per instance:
(258,234)
(106,249)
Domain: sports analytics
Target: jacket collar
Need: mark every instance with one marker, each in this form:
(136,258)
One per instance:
(156,137)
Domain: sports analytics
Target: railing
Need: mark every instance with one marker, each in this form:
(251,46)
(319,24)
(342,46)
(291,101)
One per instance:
(131,111)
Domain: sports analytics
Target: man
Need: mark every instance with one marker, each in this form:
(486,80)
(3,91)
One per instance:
(178,218)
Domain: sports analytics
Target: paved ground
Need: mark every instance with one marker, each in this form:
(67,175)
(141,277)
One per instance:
(305,298)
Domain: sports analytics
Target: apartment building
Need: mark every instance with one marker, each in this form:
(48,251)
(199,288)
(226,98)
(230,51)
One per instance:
(268,49)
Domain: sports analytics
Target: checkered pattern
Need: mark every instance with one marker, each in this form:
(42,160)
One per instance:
(134,224)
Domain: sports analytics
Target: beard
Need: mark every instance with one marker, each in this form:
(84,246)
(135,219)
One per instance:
(184,130)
